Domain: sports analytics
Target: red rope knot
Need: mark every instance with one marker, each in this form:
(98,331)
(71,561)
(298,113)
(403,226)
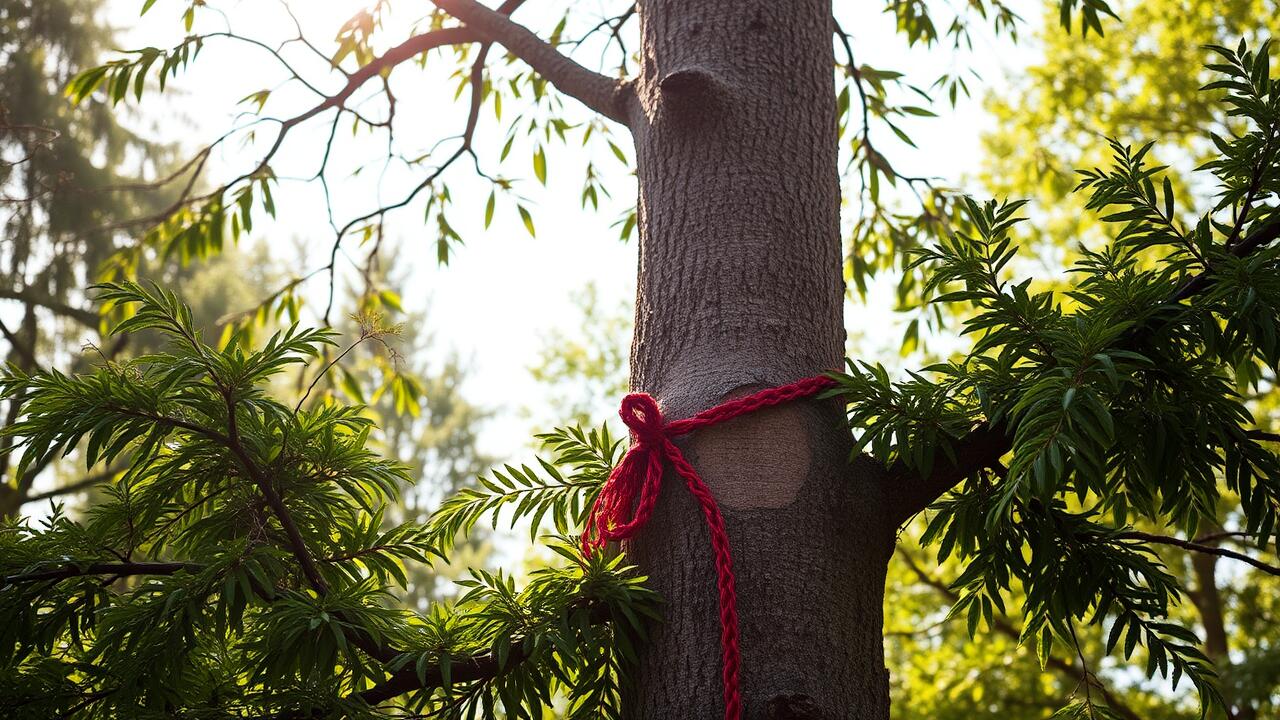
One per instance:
(626,501)
(635,481)
(641,415)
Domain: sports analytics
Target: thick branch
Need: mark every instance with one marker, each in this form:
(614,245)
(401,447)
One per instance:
(1258,239)
(909,493)
(403,52)
(983,447)
(112,569)
(606,96)
(480,667)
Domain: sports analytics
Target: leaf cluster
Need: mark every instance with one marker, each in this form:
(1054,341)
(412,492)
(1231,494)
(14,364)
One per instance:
(1120,399)
(241,566)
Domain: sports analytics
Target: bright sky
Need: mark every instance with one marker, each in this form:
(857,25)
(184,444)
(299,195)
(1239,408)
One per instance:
(503,291)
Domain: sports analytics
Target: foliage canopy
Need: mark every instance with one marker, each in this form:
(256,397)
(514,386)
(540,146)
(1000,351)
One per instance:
(241,567)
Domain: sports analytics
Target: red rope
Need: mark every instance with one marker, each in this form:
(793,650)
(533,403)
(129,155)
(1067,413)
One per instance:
(635,483)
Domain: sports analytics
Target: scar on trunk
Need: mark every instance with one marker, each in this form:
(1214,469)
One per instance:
(759,460)
(793,707)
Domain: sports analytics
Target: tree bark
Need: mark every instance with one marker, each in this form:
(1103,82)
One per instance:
(1208,601)
(740,288)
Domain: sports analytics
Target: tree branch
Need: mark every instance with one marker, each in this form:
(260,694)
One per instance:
(30,296)
(231,441)
(361,638)
(602,94)
(466,669)
(20,348)
(1257,239)
(1200,548)
(161,419)
(909,493)
(984,446)
(81,484)
(397,55)
(403,52)
(479,667)
(276,503)
(116,569)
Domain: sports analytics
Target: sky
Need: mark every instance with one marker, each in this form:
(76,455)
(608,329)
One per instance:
(503,292)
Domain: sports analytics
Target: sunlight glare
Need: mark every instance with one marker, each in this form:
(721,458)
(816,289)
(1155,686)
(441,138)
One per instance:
(334,12)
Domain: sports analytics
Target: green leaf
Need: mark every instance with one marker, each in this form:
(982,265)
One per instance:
(527,219)
(540,165)
(617,152)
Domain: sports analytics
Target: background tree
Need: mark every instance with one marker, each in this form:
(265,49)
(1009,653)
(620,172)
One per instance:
(1051,123)
(1068,423)
(83,185)
(578,370)
(72,178)
(433,431)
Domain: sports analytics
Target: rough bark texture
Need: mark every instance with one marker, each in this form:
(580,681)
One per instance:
(740,288)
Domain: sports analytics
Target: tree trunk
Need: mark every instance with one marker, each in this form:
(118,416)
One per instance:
(1208,601)
(740,288)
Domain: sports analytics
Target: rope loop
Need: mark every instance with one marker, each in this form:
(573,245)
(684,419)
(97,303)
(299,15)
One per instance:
(641,415)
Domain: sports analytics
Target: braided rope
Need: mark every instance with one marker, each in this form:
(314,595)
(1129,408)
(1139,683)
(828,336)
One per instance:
(636,481)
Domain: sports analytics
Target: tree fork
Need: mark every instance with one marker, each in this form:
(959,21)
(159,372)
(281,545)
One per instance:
(740,288)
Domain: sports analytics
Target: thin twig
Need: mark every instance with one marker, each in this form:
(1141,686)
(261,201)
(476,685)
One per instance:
(1200,548)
